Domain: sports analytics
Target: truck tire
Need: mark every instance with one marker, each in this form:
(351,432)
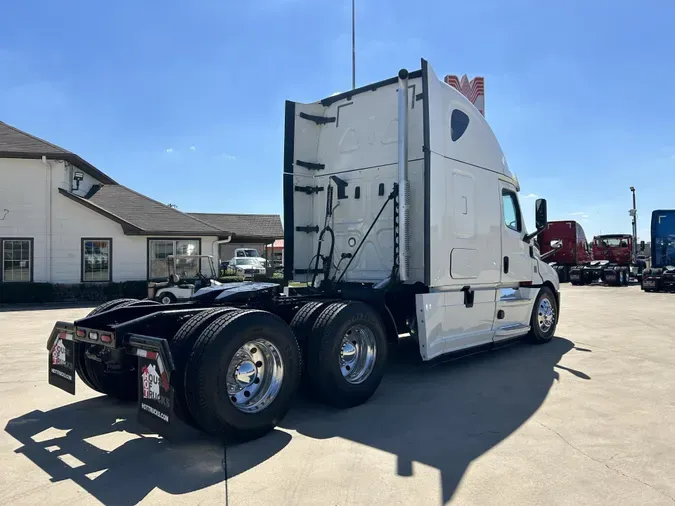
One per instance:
(346,354)
(544,317)
(241,374)
(121,385)
(302,324)
(80,359)
(181,345)
(564,274)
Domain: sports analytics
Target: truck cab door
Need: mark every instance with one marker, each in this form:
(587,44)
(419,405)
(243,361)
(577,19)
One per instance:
(513,304)
(516,259)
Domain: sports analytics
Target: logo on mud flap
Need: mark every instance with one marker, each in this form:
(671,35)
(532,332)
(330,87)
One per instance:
(59,353)
(151,382)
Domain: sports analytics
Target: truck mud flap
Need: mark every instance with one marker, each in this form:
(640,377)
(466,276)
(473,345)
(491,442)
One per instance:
(61,360)
(155,391)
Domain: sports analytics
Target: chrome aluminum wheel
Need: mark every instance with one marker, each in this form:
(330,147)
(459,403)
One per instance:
(358,351)
(546,315)
(254,376)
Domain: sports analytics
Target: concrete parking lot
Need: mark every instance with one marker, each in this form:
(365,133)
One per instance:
(586,419)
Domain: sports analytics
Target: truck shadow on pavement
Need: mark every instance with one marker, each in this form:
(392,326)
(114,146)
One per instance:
(120,462)
(442,415)
(445,415)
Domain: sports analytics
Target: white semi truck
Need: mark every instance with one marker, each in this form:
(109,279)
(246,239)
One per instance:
(401,218)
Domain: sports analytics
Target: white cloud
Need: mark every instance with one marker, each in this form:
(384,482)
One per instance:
(229,157)
(192,148)
(581,214)
(531,196)
(169,150)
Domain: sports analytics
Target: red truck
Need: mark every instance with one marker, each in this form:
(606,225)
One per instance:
(563,244)
(612,262)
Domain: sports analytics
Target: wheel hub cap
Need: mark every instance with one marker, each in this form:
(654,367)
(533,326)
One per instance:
(245,373)
(357,354)
(254,376)
(546,315)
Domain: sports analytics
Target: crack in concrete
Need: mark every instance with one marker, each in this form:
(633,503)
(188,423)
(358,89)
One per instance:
(227,498)
(605,463)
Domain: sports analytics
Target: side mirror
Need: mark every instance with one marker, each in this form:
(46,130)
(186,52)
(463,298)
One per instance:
(541,219)
(540,212)
(642,245)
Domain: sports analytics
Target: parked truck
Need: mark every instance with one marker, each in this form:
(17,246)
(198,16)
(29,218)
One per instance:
(660,276)
(612,262)
(401,218)
(563,244)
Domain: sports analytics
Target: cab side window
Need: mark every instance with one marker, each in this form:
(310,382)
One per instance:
(459,121)
(511,211)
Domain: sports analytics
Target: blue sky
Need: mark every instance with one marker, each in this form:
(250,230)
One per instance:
(183,101)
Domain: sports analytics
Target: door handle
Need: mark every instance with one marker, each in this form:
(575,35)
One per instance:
(506,265)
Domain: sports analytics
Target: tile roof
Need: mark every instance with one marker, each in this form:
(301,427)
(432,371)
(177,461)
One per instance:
(15,143)
(141,215)
(263,226)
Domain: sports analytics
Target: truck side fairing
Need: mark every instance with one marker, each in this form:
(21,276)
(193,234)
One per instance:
(355,150)
(574,247)
(350,142)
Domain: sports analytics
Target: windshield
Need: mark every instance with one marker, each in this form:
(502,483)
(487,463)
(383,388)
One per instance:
(665,250)
(612,242)
(245,261)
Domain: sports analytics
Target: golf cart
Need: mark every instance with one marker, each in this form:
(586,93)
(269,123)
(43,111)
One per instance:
(186,276)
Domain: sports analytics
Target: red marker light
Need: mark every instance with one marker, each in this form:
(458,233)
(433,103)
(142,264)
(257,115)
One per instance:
(106,338)
(80,333)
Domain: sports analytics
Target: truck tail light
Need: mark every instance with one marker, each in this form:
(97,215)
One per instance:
(106,338)
(93,336)
(80,333)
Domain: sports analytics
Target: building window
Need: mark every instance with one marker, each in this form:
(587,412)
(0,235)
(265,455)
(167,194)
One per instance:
(160,249)
(17,260)
(511,211)
(96,260)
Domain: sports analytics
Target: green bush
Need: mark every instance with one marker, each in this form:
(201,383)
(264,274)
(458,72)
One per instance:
(27,293)
(18,293)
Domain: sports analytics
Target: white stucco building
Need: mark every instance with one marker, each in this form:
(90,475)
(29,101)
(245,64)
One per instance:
(64,221)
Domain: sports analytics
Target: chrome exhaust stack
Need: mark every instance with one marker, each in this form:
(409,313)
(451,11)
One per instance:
(403,183)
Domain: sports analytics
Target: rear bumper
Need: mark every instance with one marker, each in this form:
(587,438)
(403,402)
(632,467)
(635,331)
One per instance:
(155,368)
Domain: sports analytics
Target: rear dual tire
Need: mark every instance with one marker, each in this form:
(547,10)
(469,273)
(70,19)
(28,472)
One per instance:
(346,350)
(241,374)
(121,385)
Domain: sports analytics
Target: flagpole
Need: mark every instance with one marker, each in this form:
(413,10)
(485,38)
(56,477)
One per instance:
(353,49)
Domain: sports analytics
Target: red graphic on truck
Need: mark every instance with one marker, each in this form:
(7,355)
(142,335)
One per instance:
(59,353)
(151,381)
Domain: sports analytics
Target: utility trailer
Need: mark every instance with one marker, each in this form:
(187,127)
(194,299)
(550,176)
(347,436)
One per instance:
(563,244)
(401,218)
(660,276)
(612,262)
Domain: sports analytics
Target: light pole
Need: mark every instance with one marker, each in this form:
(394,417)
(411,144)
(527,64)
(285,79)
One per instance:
(633,213)
(353,49)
